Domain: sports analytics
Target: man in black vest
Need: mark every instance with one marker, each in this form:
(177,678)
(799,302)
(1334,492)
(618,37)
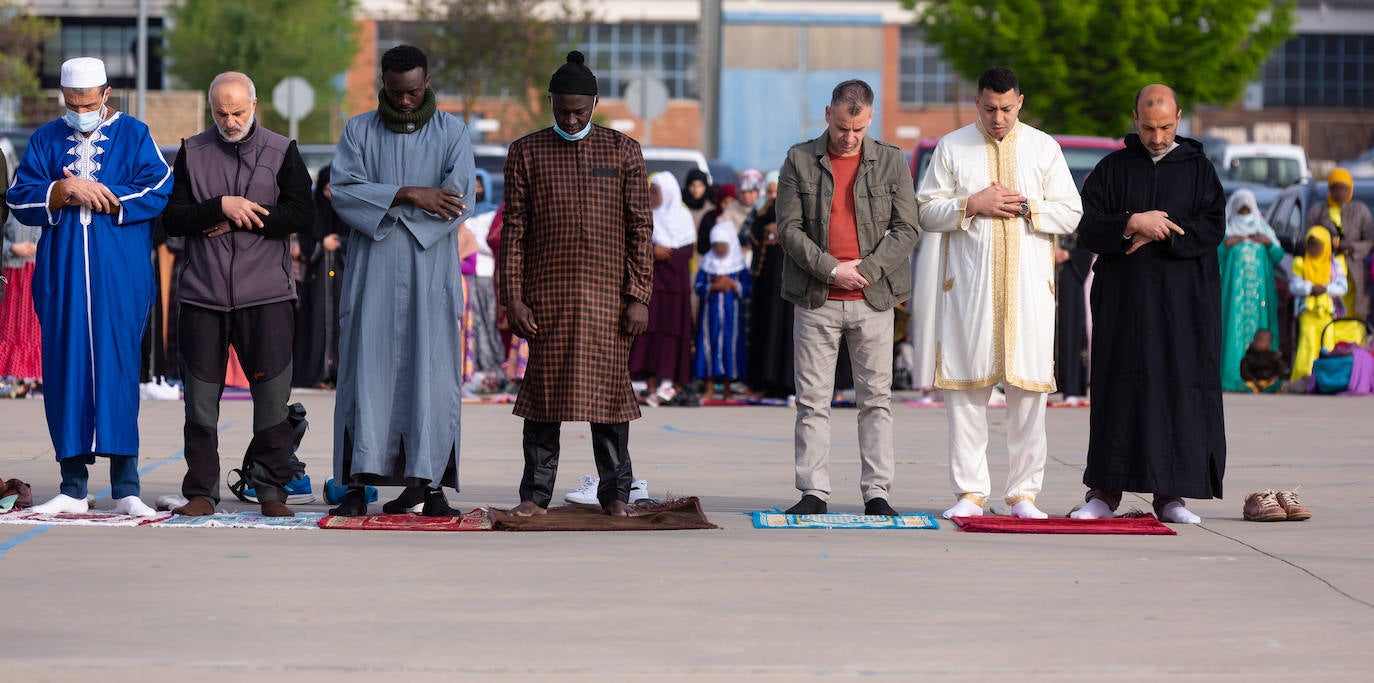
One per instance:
(240,192)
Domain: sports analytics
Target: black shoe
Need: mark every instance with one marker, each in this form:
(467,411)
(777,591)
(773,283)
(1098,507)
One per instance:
(436,505)
(354,503)
(879,507)
(808,505)
(409,498)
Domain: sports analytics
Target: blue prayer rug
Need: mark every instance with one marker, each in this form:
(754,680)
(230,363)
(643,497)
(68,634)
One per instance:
(837,520)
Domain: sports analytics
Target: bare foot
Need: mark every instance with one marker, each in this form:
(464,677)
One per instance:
(617,509)
(528,508)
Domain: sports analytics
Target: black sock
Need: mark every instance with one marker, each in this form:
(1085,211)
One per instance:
(354,503)
(808,505)
(409,498)
(436,505)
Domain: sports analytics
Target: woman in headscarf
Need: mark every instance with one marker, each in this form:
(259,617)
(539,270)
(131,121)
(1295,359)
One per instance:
(1352,235)
(722,284)
(662,355)
(322,247)
(1249,301)
(1318,282)
(696,196)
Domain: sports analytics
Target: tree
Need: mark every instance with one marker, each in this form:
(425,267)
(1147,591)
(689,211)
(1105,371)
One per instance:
(268,40)
(22,34)
(1081,63)
(485,47)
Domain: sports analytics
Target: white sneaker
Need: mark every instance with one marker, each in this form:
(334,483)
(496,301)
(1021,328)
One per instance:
(585,493)
(639,491)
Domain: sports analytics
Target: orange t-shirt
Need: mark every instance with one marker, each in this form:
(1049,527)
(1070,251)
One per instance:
(844,229)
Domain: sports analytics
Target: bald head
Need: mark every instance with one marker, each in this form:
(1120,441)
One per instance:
(1156,118)
(1155,96)
(233,103)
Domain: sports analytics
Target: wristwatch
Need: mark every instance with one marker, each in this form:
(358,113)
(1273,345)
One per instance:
(1025,209)
(833,272)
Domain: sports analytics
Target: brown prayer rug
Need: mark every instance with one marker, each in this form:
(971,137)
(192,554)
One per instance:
(681,513)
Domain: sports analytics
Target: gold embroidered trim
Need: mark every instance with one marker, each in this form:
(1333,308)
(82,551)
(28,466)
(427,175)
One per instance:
(1012,500)
(979,500)
(949,284)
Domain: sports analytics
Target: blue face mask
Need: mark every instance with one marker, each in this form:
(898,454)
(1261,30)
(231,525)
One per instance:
(587,129)
(86,121)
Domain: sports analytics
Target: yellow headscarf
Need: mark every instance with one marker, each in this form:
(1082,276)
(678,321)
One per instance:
(1316,270)
(1342,176)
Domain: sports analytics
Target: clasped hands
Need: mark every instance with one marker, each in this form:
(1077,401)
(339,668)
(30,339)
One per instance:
(240,212)
(995,201)
(86,193)
(1149,226)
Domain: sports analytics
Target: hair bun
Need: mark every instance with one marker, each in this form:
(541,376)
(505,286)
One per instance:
(576,57)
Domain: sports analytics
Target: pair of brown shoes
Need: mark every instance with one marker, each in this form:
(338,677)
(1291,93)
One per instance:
(1275,506)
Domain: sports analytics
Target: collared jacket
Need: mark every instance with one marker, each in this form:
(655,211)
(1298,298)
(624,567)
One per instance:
(885,208)
(243,267)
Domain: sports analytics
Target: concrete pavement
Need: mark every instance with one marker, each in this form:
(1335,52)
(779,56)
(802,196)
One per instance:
(1225,601)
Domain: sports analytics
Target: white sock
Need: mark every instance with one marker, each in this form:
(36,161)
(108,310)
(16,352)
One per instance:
(1093,509)
(1176,513)
(964,508)
(133,505)
(62,503)
(1027,510)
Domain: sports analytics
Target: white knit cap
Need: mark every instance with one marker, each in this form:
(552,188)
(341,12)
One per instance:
(83,72)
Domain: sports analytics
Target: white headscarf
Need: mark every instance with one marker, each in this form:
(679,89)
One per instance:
(730,263)
(673,224)
(1238,225)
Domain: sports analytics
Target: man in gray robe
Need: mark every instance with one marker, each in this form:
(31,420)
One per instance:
(398,180)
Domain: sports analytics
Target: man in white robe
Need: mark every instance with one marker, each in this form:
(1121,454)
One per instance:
(999,190)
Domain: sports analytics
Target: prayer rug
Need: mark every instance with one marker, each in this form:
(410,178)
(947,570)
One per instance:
(92,518)
(1145,525)
(244,520)
(838,520)
(477,520)
(681,513)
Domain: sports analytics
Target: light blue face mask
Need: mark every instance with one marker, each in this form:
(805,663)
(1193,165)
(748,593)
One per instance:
(587,129)
(86,121)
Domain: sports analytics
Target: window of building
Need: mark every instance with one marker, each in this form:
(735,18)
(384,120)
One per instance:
(110,39)
(923,75)
(1319,70)
(618,53)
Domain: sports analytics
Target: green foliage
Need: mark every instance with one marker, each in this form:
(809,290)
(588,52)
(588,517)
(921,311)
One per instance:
(268,40)
(1081,62)
(485,47)
(21,34)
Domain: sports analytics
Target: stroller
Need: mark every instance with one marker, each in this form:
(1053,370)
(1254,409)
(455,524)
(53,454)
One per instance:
(1332,370)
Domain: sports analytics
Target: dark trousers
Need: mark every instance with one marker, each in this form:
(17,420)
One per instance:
(610,447)
(261,336)
(123,476)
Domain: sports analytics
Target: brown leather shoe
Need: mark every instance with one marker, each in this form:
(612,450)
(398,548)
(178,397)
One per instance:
(276,508)
(1263,506)
(1288,500)
(197,506)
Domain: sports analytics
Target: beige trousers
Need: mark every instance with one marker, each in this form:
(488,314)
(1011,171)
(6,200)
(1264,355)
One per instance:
(868,334)
(968,443)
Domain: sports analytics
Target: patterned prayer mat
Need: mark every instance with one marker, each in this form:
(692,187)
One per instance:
(681,513)
(244,520)
(477,520)
(1145,525)
(837,520)
(92,518)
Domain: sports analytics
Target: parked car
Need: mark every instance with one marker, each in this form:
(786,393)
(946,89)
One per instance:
(1360,166)
(1264,163)
(492,159)
(1288,215)
(1081,152)
(721,172)
(676,160)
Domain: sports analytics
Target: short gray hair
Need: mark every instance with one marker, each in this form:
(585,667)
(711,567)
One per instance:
(232,77)
(855,94)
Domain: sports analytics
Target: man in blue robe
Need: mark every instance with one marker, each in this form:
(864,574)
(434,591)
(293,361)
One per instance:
(94,181)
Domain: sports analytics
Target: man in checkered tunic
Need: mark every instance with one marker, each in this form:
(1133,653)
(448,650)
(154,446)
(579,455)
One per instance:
(576,273)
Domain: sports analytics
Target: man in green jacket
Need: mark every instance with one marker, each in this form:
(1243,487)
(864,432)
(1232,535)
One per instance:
(847,222)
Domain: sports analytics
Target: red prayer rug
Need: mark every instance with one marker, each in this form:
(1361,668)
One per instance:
(1146,525)
(477,520)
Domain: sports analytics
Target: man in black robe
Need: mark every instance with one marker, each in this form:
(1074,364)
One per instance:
(1154,214)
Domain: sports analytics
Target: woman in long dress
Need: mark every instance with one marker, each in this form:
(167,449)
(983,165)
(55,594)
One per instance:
(1249,300)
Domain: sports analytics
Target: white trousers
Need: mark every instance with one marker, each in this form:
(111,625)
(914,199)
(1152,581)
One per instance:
(968,443)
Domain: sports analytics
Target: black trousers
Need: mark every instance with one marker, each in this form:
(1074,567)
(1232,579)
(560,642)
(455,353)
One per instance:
(261,336)
(610,447)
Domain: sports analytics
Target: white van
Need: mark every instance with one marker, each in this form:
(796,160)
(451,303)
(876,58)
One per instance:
(677,160)
(1265,163)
